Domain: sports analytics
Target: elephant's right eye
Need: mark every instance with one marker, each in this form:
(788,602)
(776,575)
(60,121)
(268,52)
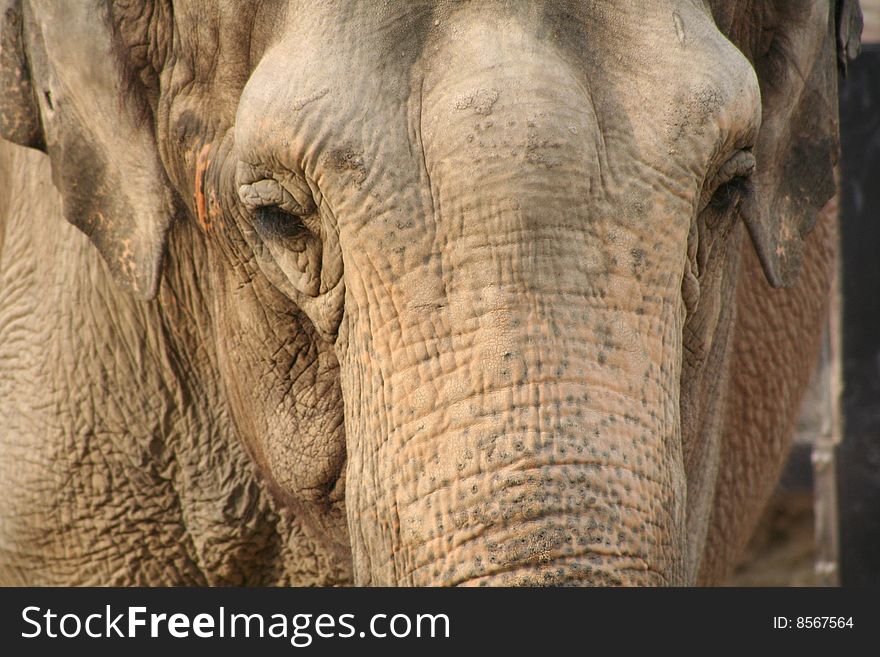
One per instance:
(272,222)
(275,213)
(282,224)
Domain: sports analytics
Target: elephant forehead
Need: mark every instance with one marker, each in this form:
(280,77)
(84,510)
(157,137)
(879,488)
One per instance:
(337,77)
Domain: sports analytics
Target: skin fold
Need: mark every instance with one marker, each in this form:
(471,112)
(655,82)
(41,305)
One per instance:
(406,293)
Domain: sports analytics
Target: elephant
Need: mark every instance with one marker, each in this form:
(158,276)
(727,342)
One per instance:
(418,293)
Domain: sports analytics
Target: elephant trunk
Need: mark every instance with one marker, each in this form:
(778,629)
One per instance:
(511,373)
(537,442)
(539,467)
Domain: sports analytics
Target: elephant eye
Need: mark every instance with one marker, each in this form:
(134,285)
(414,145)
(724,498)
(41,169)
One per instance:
(274,212)
(273,222)
(729,194)
(729,186)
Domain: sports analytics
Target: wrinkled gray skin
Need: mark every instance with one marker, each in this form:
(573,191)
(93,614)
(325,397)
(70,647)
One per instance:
(422,292)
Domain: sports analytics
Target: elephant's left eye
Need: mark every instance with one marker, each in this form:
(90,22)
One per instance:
(729,194)
(729,186)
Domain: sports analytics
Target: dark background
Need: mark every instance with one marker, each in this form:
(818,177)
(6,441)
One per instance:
(858,456)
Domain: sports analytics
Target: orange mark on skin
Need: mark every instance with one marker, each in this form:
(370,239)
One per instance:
(199,196)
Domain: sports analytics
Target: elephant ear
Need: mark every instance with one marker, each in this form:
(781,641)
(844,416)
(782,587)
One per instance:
(64,93)
(796,49)
(19,118)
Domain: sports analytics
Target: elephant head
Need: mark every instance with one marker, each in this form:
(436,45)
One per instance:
(470,265)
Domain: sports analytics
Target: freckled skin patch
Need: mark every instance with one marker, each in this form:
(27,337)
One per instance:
(350,162)
(480,101)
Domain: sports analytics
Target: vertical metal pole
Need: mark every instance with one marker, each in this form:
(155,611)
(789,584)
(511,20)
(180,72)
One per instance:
(824,449)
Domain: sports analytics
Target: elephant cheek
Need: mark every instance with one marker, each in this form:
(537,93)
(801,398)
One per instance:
(282,385)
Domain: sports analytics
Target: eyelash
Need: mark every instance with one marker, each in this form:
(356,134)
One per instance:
(728,194)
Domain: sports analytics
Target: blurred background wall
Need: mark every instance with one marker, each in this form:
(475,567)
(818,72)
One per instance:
(871,11)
